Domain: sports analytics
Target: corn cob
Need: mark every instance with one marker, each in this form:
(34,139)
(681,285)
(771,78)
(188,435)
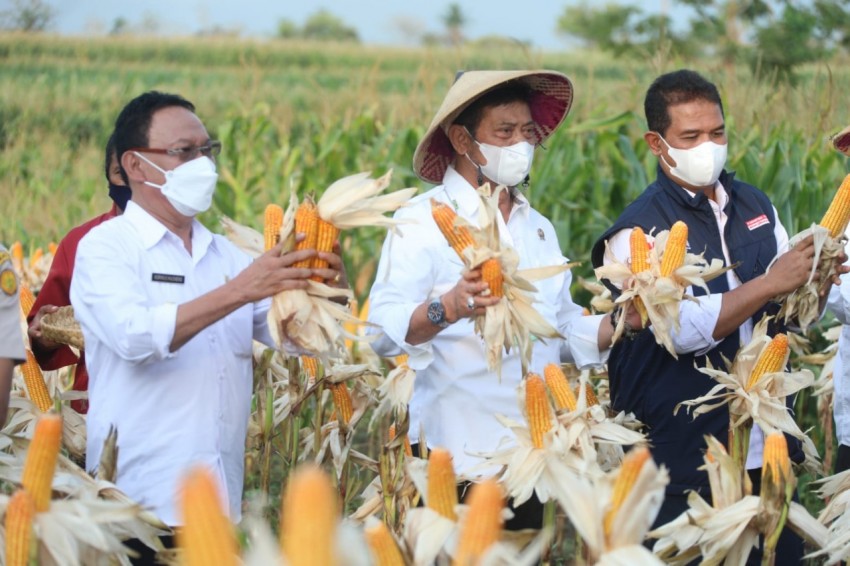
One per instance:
(537,408)
(40,463)
(628,474)
(385,551)
(639,250)
(459,237)
(408,449)
(310,366)
(27,299)
(483,523)
(838,214)
(776,465)
(207,536)
(306,222)
(52,247)
(559,387)
(674,251)
(17,253)
(342,400)
(401,360)
(271,225)
(20,513)
(442,486)
(590,398)
(771,360)
(639,263)
(34,381)
(308,519)
(491,273)
(327,234)
(36,256)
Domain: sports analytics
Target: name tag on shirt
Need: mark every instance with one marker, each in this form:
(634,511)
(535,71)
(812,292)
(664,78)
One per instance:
(757,222)
(168,278)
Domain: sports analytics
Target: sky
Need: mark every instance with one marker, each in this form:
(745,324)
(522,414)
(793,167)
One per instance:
(387,22)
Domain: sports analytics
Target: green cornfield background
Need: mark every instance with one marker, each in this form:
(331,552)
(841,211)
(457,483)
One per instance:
(297,116)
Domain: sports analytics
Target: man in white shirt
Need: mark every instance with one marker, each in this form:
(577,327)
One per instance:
(12,350)
(839,304)
(485,131)
(727,219)
(169,311)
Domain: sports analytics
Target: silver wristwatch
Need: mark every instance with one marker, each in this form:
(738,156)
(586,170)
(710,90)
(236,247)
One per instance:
(437,313)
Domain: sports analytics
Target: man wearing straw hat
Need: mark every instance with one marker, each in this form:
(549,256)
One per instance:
(485,131)
(12,350)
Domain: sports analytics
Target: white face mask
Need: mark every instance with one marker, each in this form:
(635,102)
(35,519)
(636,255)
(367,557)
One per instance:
(190,186)
(509,165)
(699,166)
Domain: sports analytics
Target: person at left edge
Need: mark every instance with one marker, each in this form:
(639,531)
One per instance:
(12,350)
(56,291)
(169,312)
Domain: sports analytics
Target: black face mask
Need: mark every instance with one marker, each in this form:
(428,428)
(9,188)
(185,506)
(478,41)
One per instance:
(120,194)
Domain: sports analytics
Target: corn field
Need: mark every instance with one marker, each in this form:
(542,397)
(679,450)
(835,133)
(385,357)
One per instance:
(296,117)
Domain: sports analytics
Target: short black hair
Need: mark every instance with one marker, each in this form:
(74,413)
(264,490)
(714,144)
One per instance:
(507,93)
(134,122)
(674,88)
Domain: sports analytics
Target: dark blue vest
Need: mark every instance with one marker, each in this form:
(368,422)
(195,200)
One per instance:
(644,377)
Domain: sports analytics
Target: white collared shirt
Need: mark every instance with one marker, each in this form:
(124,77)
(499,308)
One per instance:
(839,304)
(456,399)
(172,410)
(11,337)
(698,319)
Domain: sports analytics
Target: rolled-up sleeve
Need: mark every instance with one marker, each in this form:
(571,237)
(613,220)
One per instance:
(404,280)
(111,304)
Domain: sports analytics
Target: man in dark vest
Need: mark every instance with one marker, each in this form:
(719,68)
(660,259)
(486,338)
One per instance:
(729,220)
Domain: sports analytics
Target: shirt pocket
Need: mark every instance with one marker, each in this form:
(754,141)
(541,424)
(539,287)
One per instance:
(239,331)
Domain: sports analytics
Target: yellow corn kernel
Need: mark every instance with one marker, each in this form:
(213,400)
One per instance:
(207,536)
(308,518)
(271,225)
(20,513)
(17,253)
(559,387)
(442,486)
(40,463)
(537,408)
(342,400)
(307,223)
(34,381)
(52,247)
(674,250)
(639,250)
(491,273)
(401,360)
(483,523)
(408,449)
(590,398)
(385,551)
(326,235)
(838,214)
(459,237)
(771,360)
(27,299)
(776,465)
(626,478)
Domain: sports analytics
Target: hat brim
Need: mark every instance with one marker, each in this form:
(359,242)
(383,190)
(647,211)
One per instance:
(550,102)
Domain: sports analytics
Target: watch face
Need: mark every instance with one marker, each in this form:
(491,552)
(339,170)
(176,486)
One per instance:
(436,312)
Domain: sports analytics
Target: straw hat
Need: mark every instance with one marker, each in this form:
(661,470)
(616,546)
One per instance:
(551,98)
(62,327)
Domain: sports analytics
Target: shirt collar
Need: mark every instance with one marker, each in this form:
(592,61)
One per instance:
(720,194)
(464,196)
(151,230)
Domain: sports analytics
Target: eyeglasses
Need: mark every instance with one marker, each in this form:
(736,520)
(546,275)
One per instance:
(210,149)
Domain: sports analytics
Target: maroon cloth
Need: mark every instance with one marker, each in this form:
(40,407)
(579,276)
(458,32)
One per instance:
(57,291)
